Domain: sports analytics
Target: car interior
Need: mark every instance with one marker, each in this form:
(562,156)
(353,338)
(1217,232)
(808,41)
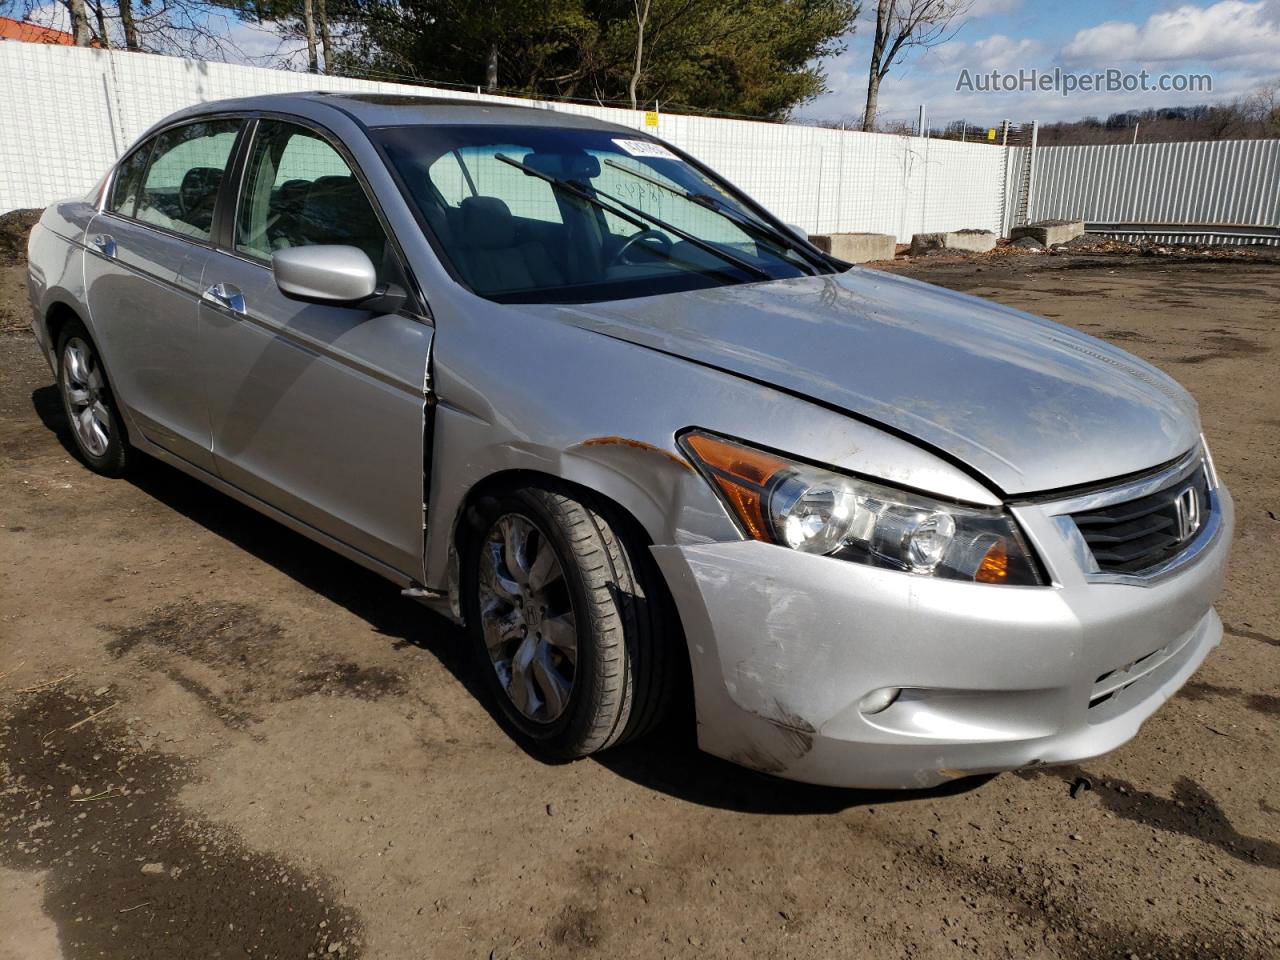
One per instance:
(329,209)
(497,251)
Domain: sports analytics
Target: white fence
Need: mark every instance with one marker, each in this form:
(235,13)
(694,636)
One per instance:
(69,112)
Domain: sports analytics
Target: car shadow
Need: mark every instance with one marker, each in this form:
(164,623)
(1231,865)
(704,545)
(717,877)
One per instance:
(344,582)
(667,760)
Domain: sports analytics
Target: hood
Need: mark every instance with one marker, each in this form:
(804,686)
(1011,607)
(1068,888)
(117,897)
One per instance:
(1029,404)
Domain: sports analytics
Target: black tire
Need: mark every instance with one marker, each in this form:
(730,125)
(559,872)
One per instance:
(621,686)
(113,459)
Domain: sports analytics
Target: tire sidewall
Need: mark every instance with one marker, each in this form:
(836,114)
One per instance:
(557,736)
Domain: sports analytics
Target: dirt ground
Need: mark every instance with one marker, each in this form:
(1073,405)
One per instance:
(219,740)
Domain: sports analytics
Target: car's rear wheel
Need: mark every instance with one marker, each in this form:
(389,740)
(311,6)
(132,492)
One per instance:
(96,427)
(568,625)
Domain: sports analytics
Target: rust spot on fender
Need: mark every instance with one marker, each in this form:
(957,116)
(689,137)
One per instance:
(636,445)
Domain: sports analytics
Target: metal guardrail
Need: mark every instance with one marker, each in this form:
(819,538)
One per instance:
(1224,233)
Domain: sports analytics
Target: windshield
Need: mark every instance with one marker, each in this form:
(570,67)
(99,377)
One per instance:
(547,215)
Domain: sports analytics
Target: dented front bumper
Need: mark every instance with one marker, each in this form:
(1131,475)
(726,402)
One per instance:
(784,645)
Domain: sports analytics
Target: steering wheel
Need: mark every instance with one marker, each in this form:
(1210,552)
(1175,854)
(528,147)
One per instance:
(657,237)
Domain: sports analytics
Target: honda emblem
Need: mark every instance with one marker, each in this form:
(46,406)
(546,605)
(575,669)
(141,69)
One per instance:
(1188,509)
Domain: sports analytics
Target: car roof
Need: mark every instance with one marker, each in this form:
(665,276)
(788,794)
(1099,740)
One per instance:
(391,110)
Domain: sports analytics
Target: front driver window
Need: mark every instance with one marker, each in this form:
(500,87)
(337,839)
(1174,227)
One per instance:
(299,191)
(128,182)
(180,188)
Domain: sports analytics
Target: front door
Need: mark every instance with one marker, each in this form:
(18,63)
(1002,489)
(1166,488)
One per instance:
(318,410)
(147,252)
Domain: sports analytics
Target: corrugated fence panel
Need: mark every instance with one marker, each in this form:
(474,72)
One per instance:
(69,112)
(1228,182)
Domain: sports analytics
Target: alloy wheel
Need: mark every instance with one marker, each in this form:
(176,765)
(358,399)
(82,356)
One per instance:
(84,389)
(527,618)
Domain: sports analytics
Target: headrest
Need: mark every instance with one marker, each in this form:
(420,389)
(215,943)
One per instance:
(564,166)
(487,222)
(200,180)
(332,181)
(336,210)
(294,191)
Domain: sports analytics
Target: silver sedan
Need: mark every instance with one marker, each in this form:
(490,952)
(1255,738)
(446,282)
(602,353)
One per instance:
(561,382)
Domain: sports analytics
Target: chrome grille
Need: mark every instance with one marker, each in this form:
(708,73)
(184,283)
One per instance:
(1136,535)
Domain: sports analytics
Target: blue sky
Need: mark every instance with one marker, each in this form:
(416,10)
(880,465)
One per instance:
(1236,42)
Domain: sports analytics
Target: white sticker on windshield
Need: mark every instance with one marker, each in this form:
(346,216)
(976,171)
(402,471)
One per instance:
(646,148)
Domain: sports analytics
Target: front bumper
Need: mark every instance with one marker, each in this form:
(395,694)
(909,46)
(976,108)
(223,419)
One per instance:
(783,645)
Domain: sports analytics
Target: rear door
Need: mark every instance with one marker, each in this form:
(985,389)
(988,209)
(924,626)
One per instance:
(147,252)
(318,410)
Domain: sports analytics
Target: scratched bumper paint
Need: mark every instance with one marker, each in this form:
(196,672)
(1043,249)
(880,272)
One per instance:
(783,646)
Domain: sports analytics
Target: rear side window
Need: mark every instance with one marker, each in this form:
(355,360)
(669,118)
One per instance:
(299,191)
(180,187)
(128,183)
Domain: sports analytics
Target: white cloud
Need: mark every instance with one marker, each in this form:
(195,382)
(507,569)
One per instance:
(1236,41)
(996,52)
(1224,30)
(265,45)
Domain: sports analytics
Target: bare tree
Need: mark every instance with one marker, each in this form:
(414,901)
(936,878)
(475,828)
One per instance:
(1263,106)
(196,29)
(491,69)
(79,23)
(309,24)
(125,8)
(326,38)
(642,18)
(104,35)
(900,26)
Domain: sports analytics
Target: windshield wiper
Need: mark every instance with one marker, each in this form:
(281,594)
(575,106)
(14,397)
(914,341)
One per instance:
(761,231)
(593,197)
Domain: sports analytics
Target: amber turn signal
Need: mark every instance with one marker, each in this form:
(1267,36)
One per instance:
(742,474)
(994,567)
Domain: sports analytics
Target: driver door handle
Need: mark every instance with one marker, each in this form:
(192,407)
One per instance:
(105,243)
(228,297)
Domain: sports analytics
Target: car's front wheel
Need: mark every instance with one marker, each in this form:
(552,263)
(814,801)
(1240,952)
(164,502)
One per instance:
(568,624)
(96,427)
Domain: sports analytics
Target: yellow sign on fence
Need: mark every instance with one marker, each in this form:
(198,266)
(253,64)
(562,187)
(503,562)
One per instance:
(991,133)
(651,118)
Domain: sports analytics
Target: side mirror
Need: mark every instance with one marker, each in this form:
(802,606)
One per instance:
(800,232)
(335,274)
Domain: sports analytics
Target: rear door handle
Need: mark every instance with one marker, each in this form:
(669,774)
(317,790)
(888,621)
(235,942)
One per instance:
(228,297)
(105,243)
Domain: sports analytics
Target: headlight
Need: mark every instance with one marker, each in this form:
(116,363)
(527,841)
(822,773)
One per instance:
(819,511)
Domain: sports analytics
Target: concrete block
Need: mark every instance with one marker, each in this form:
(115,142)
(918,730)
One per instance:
(1050,232)
(960,241)
(857,247)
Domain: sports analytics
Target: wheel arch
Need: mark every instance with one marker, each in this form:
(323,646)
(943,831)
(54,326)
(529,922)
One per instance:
(505,481)
(56,317)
